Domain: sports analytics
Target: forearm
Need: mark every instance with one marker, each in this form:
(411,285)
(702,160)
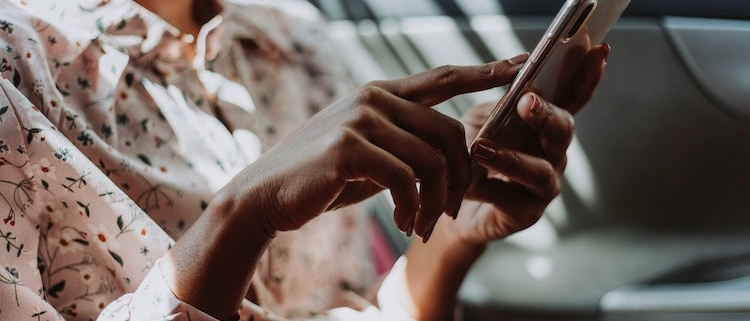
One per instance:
(435,271)
(214,261)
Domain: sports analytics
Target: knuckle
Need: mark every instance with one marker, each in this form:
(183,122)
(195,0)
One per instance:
(434,166)
(488,69)
(375,83)
(364,118)
(570,124)
(463,184)
(437,160)
(531,219)
(562,164)
(445,73)
(369,93)
(549,184)
(512,161)
(341,139)
(452,134)
(456,131)
(406,172)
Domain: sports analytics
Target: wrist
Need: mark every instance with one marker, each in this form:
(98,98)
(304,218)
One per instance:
(214,261)
(456,248)
(436,269)
(240,214)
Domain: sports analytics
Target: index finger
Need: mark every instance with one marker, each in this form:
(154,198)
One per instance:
(436,85)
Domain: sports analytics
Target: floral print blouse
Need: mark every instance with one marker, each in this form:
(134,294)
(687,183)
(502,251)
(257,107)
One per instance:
(113,140)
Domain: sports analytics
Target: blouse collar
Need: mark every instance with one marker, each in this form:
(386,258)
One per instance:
(145,35)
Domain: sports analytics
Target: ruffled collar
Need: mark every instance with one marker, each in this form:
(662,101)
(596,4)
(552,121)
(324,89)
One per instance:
(146,36)
(131,24)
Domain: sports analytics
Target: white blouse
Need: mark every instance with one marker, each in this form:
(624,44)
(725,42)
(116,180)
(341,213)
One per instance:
(113,141)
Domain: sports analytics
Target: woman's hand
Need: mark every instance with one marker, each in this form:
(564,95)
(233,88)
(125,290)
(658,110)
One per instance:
(513,180)
(382,136)
(520,172)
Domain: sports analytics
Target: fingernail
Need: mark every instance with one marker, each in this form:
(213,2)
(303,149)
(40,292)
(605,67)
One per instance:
(410,227)
(484,152)
(454,215)
(536,107)
(427,235)
(607,49)
(520,59)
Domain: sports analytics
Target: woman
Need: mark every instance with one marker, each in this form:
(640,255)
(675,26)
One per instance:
(160,159)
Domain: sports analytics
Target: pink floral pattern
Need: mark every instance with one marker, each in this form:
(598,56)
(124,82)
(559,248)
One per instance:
(102,165)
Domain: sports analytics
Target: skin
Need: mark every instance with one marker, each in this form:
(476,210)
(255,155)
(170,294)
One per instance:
(179,13)
(384,135)
(510,189)
(372,139)
(376,139)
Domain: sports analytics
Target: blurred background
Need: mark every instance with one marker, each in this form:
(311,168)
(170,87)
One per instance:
(654,219)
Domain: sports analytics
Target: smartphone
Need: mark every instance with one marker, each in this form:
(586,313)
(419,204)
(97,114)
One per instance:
(579,25)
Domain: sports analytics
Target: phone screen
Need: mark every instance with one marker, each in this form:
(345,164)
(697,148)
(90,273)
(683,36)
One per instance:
(579,25)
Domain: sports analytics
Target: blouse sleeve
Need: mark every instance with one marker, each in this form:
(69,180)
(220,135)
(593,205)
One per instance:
(154,297)
(393,296)
(73,245)
(71,241)
(21,289)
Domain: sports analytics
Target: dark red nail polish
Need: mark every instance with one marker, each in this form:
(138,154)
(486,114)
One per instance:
(536,107)
(484,152)
(520,59)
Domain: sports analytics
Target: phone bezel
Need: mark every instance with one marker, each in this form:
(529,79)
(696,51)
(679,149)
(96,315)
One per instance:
(561,25)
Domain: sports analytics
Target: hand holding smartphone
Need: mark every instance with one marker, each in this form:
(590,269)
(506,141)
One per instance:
(578,26)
